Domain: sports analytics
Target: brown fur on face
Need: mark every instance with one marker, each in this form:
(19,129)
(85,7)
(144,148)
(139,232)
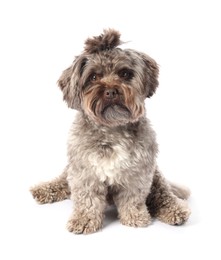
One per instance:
(121,109)
(133,75)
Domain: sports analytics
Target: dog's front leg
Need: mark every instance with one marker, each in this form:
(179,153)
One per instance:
(89,205)
(131,207)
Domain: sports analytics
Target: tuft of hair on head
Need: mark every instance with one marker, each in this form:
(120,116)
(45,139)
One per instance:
(108,40)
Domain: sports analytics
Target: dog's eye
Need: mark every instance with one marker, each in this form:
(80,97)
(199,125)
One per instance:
(93,77)
(125,74)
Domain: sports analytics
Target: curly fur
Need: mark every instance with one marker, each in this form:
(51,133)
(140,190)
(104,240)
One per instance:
(106,41)
(112,148)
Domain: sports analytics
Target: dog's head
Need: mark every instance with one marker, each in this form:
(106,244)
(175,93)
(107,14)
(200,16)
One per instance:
(107,83)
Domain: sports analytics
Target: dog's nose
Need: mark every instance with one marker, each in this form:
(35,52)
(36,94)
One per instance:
(110,93)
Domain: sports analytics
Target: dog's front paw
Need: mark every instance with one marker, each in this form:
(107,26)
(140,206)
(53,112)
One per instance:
(176,213)
(84,225)
(136,218)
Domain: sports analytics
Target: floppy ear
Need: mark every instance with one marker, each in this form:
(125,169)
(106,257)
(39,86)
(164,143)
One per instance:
(69,83)
(151,71)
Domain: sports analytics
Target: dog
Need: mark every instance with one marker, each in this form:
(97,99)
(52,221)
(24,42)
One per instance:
(112,148)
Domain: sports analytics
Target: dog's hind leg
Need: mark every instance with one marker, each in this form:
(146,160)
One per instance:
(52,191)
(180,191)
(166,201)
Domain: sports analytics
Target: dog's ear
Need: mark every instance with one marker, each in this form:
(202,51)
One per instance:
(151,72)
(70,85)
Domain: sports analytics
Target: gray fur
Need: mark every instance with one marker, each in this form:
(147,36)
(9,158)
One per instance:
(112,148)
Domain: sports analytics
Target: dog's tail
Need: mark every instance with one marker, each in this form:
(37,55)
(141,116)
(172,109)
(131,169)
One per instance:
(181,192)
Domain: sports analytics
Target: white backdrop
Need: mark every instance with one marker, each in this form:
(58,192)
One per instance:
(39,39)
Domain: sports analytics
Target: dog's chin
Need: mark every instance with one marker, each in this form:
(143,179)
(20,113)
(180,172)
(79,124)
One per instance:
(114,115)
(116,112)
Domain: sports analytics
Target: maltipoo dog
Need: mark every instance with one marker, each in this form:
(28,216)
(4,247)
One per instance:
(112,148)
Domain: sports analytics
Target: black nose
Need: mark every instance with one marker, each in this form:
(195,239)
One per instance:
(110,93)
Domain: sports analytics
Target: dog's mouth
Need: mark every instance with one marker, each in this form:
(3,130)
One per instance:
(116,112)
(118,108)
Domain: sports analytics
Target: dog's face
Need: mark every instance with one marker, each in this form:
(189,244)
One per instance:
(109,84)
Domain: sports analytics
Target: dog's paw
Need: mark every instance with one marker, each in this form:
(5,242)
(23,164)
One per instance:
(50,192)
(41,194)
(136,218)
(84,225)
(176,213)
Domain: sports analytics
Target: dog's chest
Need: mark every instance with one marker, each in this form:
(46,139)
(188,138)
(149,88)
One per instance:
(108,161)
(111,154)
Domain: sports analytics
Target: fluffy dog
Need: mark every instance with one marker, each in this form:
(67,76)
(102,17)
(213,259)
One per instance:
(112,148)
